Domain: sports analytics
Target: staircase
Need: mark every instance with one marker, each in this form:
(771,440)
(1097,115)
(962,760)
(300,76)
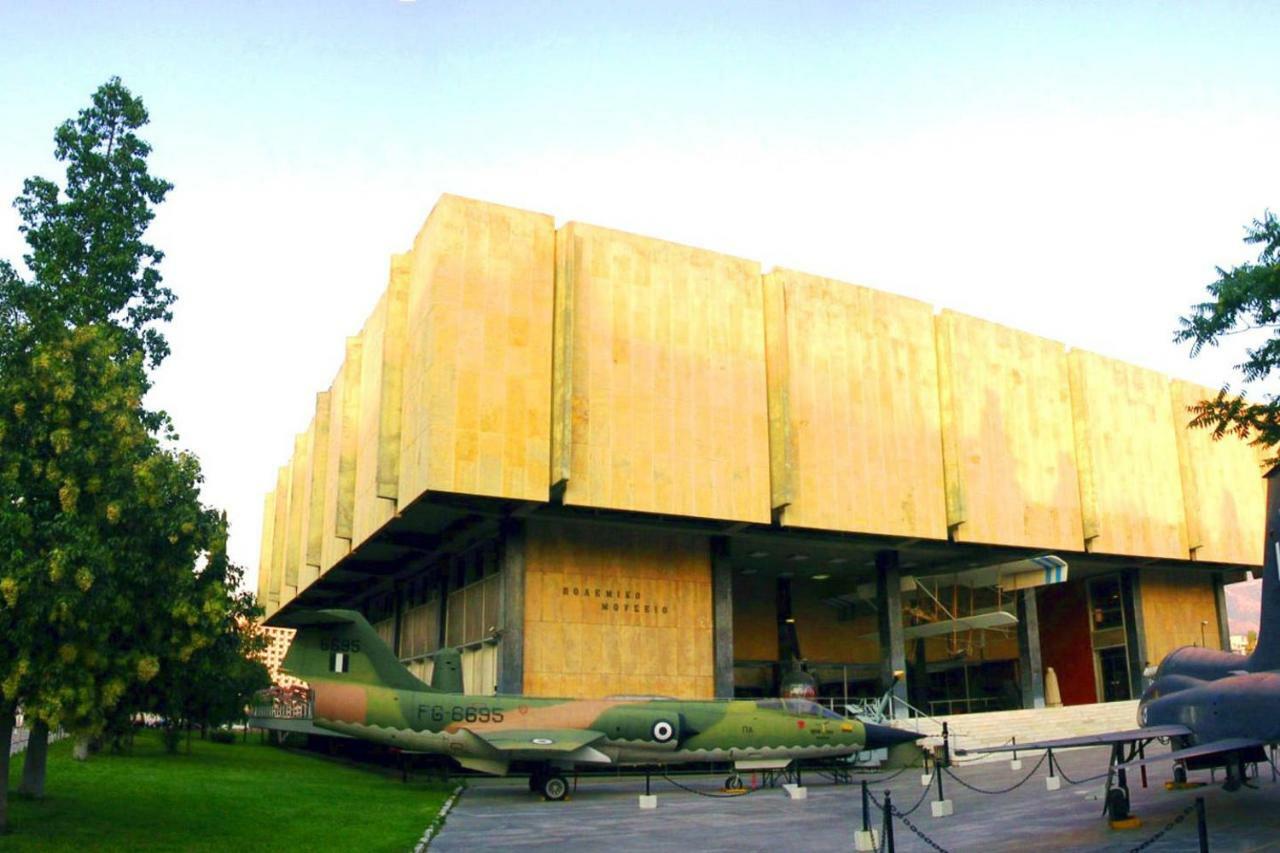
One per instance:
(969,731)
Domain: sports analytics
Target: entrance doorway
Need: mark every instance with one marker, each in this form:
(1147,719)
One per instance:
(1113,673)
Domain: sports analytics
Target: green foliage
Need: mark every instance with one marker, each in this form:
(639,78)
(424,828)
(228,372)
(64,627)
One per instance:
(113,575)
(1245,299)
(88,261)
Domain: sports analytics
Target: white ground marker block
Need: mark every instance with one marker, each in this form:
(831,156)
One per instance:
(926,779)
(796,792)
(1052,783)
(1015,764)
(866,840)
(942,808)
(648,801)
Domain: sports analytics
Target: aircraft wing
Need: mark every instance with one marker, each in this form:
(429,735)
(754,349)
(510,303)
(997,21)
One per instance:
(1101,739)
(1214,747)
(544,742)
(994,619)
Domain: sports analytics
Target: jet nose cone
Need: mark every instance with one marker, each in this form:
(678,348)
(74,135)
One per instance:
(879,737)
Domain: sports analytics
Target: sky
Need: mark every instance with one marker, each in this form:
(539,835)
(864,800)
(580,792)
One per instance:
(1076,170)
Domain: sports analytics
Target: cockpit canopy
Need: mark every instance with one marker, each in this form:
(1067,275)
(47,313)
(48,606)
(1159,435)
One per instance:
(798,708)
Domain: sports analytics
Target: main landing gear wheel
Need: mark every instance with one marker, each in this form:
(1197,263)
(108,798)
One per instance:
(1117,804)
(733,783)
(554,787)
(1180,774)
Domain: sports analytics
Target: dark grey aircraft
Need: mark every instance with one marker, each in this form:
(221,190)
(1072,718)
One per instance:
(1215,709)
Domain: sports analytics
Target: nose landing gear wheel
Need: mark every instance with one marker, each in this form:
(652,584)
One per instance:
(554,787)
(733,783)
(1180,774)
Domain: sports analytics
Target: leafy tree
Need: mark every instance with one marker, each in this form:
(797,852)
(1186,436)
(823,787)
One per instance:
(101,525)
(1245,299)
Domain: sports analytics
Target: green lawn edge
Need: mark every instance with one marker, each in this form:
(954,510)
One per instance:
(220,797)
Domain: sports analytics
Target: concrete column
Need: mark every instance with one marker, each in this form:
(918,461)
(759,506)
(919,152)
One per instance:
(1136,630)
(722,616)
(1029,650)
(893,657)
(397,595)
(1220,599)
(511,657)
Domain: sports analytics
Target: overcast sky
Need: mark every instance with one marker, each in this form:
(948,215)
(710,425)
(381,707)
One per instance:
(1076,170)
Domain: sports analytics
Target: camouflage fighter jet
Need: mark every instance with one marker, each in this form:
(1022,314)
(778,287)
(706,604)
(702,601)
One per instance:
(362,690)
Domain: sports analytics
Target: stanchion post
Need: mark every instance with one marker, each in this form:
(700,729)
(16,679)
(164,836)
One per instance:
(1142,754)
(888,821)
(1272,762)
(1202,825)
(865,839)
(946,745)
(1015,763)
(1052,783)
(942,807)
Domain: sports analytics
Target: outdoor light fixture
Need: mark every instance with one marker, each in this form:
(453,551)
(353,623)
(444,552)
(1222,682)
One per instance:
(821,577)
(758,554)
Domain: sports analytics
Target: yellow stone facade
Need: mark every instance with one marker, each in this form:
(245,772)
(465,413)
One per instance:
(511,359)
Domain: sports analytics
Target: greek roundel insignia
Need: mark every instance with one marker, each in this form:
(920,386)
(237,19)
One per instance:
(663,731)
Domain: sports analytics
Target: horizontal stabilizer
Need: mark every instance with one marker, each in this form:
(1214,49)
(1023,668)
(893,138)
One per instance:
(1231,744)
(1100,739)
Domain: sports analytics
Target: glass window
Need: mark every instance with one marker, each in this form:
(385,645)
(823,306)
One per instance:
(1106,604)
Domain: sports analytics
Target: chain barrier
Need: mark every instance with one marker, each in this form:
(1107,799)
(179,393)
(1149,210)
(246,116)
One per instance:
(905,817)
(1012,787)
(919,834)
(716,796)
(1058,769)
(1182,815)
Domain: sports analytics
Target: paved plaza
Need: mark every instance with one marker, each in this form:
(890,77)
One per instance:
(500,814)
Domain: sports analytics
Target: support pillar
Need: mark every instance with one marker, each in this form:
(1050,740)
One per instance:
(1220,600)
(511,656)
(722,616)
(893,656)
(1029,650)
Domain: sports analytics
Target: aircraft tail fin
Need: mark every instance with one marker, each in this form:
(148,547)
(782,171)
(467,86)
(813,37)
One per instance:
(1266,654)
(340,645)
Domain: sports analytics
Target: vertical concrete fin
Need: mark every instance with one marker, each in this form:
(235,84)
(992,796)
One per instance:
(319,482)
(264,551)
(568,249)
(300,472)
(782,450)
(284,481)
(345,516)
(1090,523)
(393,361)
(952,478)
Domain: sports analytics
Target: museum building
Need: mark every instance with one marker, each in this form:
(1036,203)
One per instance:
(603,464)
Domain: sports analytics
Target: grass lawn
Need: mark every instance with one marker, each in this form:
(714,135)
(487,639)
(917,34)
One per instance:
(241,796)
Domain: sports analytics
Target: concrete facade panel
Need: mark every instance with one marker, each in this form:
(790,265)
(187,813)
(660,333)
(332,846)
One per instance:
(663,400)
(477,387)
(1174,603)
(264,552)
(863,410)
(1008,444)
(1127,453)
(333,547)
(300,478)
(1222,485)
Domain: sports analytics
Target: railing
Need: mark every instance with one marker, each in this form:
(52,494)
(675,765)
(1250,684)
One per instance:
(22,736)
(284,703)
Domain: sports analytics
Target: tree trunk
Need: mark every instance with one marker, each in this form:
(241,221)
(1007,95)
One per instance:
(6,738)
(35,760)
(80,752)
